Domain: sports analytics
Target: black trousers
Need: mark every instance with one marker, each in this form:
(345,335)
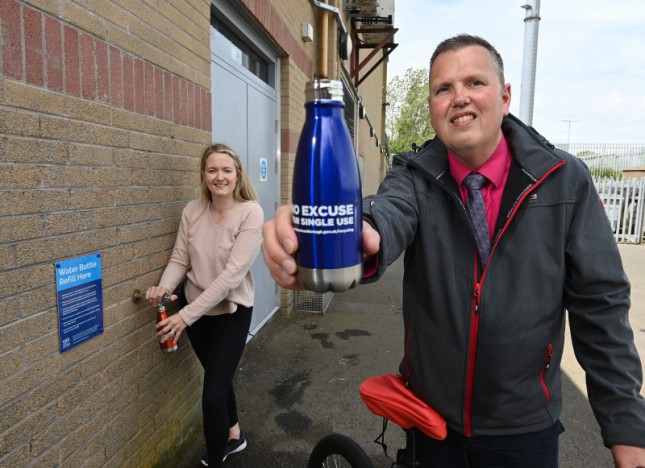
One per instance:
(219,342)
(533,450)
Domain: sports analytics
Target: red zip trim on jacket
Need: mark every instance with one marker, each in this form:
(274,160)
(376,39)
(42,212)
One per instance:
(472,345)
(547,364)
(474,324)
(517,207)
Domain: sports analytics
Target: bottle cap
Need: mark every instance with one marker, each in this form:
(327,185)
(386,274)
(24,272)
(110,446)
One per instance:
(324,89)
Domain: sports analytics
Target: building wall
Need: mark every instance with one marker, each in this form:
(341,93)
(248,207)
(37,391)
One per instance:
(302,62)
(634,172)
(104,109)
(373,92)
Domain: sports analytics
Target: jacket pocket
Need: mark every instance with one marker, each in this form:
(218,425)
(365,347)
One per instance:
(545,369)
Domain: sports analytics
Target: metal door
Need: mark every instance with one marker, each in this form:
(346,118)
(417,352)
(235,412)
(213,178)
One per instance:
(245,116)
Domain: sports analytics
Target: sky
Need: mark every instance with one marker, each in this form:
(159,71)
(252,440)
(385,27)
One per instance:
(590,66)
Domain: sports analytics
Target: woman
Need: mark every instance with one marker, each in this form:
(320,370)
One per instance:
(218,240)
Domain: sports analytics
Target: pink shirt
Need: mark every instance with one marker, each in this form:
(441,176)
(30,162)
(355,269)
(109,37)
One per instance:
(215,259)
(495,169)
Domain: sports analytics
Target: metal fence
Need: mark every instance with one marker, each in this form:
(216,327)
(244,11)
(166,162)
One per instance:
(312,302)
(624,204)
(607,159)
(623,198)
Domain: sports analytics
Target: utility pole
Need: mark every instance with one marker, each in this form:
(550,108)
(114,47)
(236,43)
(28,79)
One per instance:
(531,27)
(569,121)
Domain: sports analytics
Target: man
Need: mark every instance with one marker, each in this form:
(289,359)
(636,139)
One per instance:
(502,233)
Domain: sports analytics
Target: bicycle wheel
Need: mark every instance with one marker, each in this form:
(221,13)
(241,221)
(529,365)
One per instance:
(338,451)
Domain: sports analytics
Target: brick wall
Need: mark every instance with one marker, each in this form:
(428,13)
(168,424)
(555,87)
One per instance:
(104,109)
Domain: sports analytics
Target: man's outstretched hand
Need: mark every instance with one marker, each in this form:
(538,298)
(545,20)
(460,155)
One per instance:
(280,244)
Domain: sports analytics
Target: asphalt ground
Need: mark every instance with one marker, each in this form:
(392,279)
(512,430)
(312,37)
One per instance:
(298,379)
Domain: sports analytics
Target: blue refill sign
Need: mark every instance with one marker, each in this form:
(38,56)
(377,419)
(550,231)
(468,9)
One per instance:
(80,300)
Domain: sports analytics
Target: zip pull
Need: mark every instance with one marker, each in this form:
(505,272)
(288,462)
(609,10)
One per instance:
(549,353)
(477,295)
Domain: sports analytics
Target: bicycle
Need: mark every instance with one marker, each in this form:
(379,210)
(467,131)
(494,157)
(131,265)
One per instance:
(387,396)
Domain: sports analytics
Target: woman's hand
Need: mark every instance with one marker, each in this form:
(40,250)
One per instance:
(172,327)
(155,294)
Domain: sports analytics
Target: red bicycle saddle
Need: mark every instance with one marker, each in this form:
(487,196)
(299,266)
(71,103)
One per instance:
(387,396)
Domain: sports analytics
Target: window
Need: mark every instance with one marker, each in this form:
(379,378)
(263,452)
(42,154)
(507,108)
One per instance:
(227,42)
(350,109)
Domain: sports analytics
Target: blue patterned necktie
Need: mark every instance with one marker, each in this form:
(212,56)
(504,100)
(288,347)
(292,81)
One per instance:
(477,213)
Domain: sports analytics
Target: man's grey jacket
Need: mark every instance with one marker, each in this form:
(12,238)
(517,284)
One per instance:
(483,344)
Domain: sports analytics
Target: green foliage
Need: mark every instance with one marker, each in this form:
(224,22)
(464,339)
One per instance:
(606,172)
(594,162)
(407,120)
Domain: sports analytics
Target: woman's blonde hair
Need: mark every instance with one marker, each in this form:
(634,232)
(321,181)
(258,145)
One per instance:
(243,189)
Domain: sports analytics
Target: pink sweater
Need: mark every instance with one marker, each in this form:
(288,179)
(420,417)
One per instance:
(215,258)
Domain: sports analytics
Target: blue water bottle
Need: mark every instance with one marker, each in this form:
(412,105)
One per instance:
(327,208)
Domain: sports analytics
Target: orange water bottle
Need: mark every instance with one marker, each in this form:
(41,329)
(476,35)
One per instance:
(170,345)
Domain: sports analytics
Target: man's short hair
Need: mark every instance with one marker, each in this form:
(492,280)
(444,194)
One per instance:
(465,40)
